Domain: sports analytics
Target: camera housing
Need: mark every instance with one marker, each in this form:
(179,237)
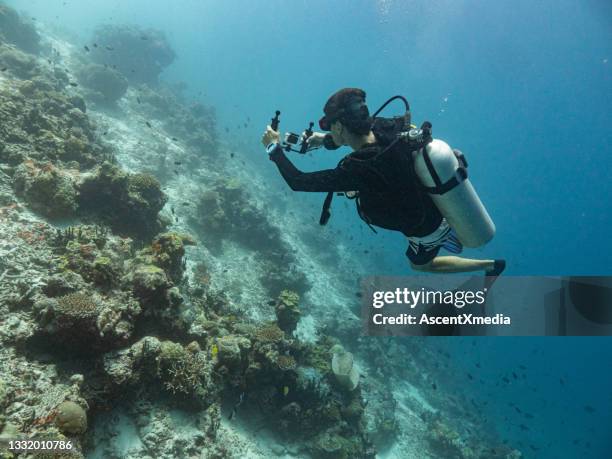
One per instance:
(292,138)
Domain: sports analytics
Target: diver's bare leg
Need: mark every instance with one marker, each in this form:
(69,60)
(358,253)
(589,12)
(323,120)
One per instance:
(451,264)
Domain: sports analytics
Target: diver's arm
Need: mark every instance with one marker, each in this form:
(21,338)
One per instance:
(326,180)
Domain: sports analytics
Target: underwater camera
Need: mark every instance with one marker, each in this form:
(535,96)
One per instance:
(291,138)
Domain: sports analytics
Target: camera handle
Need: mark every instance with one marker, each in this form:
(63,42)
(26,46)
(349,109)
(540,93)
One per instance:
(307,134)
(275,121)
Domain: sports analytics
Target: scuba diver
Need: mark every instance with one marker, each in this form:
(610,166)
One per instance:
(400,178)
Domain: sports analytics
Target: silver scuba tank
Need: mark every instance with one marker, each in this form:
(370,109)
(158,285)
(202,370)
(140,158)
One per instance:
(443,173)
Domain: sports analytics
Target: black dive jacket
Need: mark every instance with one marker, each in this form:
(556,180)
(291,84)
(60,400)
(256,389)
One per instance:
(389,196)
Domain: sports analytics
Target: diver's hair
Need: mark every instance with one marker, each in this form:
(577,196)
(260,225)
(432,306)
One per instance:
(339,108)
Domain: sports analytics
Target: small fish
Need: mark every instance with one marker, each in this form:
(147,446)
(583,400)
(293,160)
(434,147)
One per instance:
(514,375)
(144,38)
(518,410)
(477,365)
(214,350)
(176,219)
(232,155)
(359,294)
(433,386)
(174,139)
(110,48)
(105,132)
(177,163)
(523,427)
(3,69)
(225,270)
(366,251)
(185,203)
(271,303)
(470,376)
(172,210)
(589,409)
(86,48)
(285,390)
(522,367)
(148,124)
(176,172)
(73,84)
(534,448)
(246,125)
(506,380)
(138,99)
(95,45)
(561,381)
(528,416)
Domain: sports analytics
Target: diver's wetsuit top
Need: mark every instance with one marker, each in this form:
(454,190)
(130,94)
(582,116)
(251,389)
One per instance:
(389,197)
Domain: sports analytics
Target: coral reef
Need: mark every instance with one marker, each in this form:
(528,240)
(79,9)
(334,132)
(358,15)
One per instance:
(168,250)
(139,54)
(17,62)
(129,203)
(105,85)
(14,29)
(44,125)
(195,125)
(81,323)
(71,418)
(276,375)
(226,211)
(46,189)
(108,336)
(185,372)
(287,310)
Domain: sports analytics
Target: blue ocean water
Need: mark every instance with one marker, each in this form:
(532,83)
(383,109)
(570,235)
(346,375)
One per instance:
(522,87)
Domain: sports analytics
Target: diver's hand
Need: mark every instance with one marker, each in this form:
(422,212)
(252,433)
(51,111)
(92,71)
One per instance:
(315,140)
(270,136)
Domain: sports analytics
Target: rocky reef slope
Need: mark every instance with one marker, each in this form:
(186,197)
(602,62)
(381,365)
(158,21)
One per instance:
(149,306)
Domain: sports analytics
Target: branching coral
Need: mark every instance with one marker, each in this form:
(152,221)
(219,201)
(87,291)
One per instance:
(77,305)
(269,334)
(286,362)
(185,373)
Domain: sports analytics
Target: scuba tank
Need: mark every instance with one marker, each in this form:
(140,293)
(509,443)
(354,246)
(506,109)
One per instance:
(443,173)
